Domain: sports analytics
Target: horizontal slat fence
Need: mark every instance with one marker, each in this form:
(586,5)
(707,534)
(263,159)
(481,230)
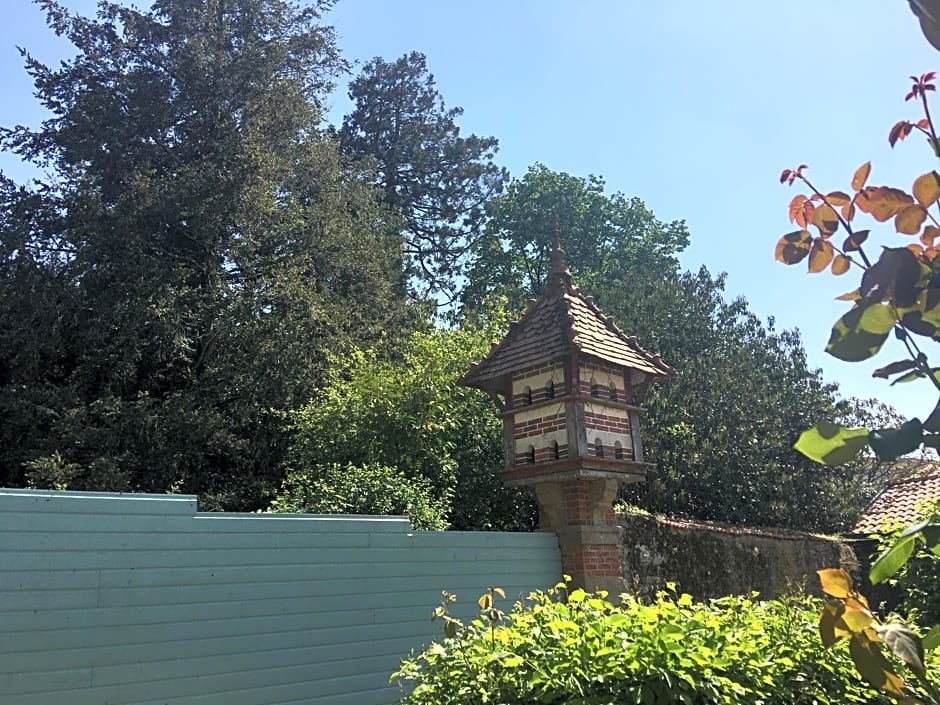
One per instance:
(109,599)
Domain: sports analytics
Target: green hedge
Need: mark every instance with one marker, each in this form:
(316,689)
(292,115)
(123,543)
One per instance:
(586,651)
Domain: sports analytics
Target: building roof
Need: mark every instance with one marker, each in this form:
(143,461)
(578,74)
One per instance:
(901,503)
(561,321)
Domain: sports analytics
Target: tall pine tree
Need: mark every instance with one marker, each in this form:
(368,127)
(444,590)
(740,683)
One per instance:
(435,180)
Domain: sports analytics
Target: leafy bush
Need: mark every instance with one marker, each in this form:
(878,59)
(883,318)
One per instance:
(412,414)
(369,489)
(586,651)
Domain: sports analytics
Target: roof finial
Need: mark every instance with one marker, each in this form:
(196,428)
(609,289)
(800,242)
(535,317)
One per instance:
(558,254)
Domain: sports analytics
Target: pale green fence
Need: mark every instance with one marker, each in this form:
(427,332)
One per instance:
(110,599)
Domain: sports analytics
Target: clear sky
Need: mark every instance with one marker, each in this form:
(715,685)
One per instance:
(694,107)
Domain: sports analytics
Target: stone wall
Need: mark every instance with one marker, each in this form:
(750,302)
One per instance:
(707,560)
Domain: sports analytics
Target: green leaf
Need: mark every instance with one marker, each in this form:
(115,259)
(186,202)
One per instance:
(933,421)
(831,444)
(895,273)
(889,562)
(909,377)
(932,640)
(923,315)
(931,534)
(931,440)
(892,443)
(861,332)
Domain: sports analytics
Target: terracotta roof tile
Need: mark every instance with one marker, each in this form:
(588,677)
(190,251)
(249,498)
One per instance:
(900,503)
(562,320)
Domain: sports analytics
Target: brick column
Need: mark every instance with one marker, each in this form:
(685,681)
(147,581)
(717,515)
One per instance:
(581,512)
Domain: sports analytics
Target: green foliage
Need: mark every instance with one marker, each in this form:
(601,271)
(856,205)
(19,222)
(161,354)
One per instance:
(909,559)
(899,292)
(718,433)
(370,489)
(585,651)
(411,413)
(436,181)
(198,243)
(604,237)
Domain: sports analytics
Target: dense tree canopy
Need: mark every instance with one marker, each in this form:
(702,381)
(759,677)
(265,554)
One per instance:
(412,413)
(603,235)
(437,181)
(721,432)
(208,291)
(199,245)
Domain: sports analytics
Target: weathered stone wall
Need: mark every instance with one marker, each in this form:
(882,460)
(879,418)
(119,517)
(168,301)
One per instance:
(707,561)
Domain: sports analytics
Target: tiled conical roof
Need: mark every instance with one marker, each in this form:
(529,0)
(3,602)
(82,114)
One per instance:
(561,321)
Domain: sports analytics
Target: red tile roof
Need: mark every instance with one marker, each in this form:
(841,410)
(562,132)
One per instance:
(903,502)
(561,321)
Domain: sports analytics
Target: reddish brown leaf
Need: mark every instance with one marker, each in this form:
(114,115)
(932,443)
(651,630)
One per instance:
(883,202)
(808,211)
(923,123)
(854,241)
(848,211)
(900,130)
(861,176)
(909,220)
(840,265)
(916,249)
(838,198)
(926,188)
(820,255)
(929,235)
(793,247)
(825,218)
(784,175)
(796,210)
(850,296)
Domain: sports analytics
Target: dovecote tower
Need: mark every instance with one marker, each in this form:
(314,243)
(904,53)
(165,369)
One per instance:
(568,383)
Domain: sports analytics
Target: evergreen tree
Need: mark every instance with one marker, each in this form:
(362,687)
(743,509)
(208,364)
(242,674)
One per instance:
(436,181)
(171,289)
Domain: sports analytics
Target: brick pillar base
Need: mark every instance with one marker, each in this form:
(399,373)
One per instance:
(581,512)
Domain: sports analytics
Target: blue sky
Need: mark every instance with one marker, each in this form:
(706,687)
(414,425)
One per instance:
(693,107)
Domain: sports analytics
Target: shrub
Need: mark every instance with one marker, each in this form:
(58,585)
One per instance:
(367,489)
(586,651)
